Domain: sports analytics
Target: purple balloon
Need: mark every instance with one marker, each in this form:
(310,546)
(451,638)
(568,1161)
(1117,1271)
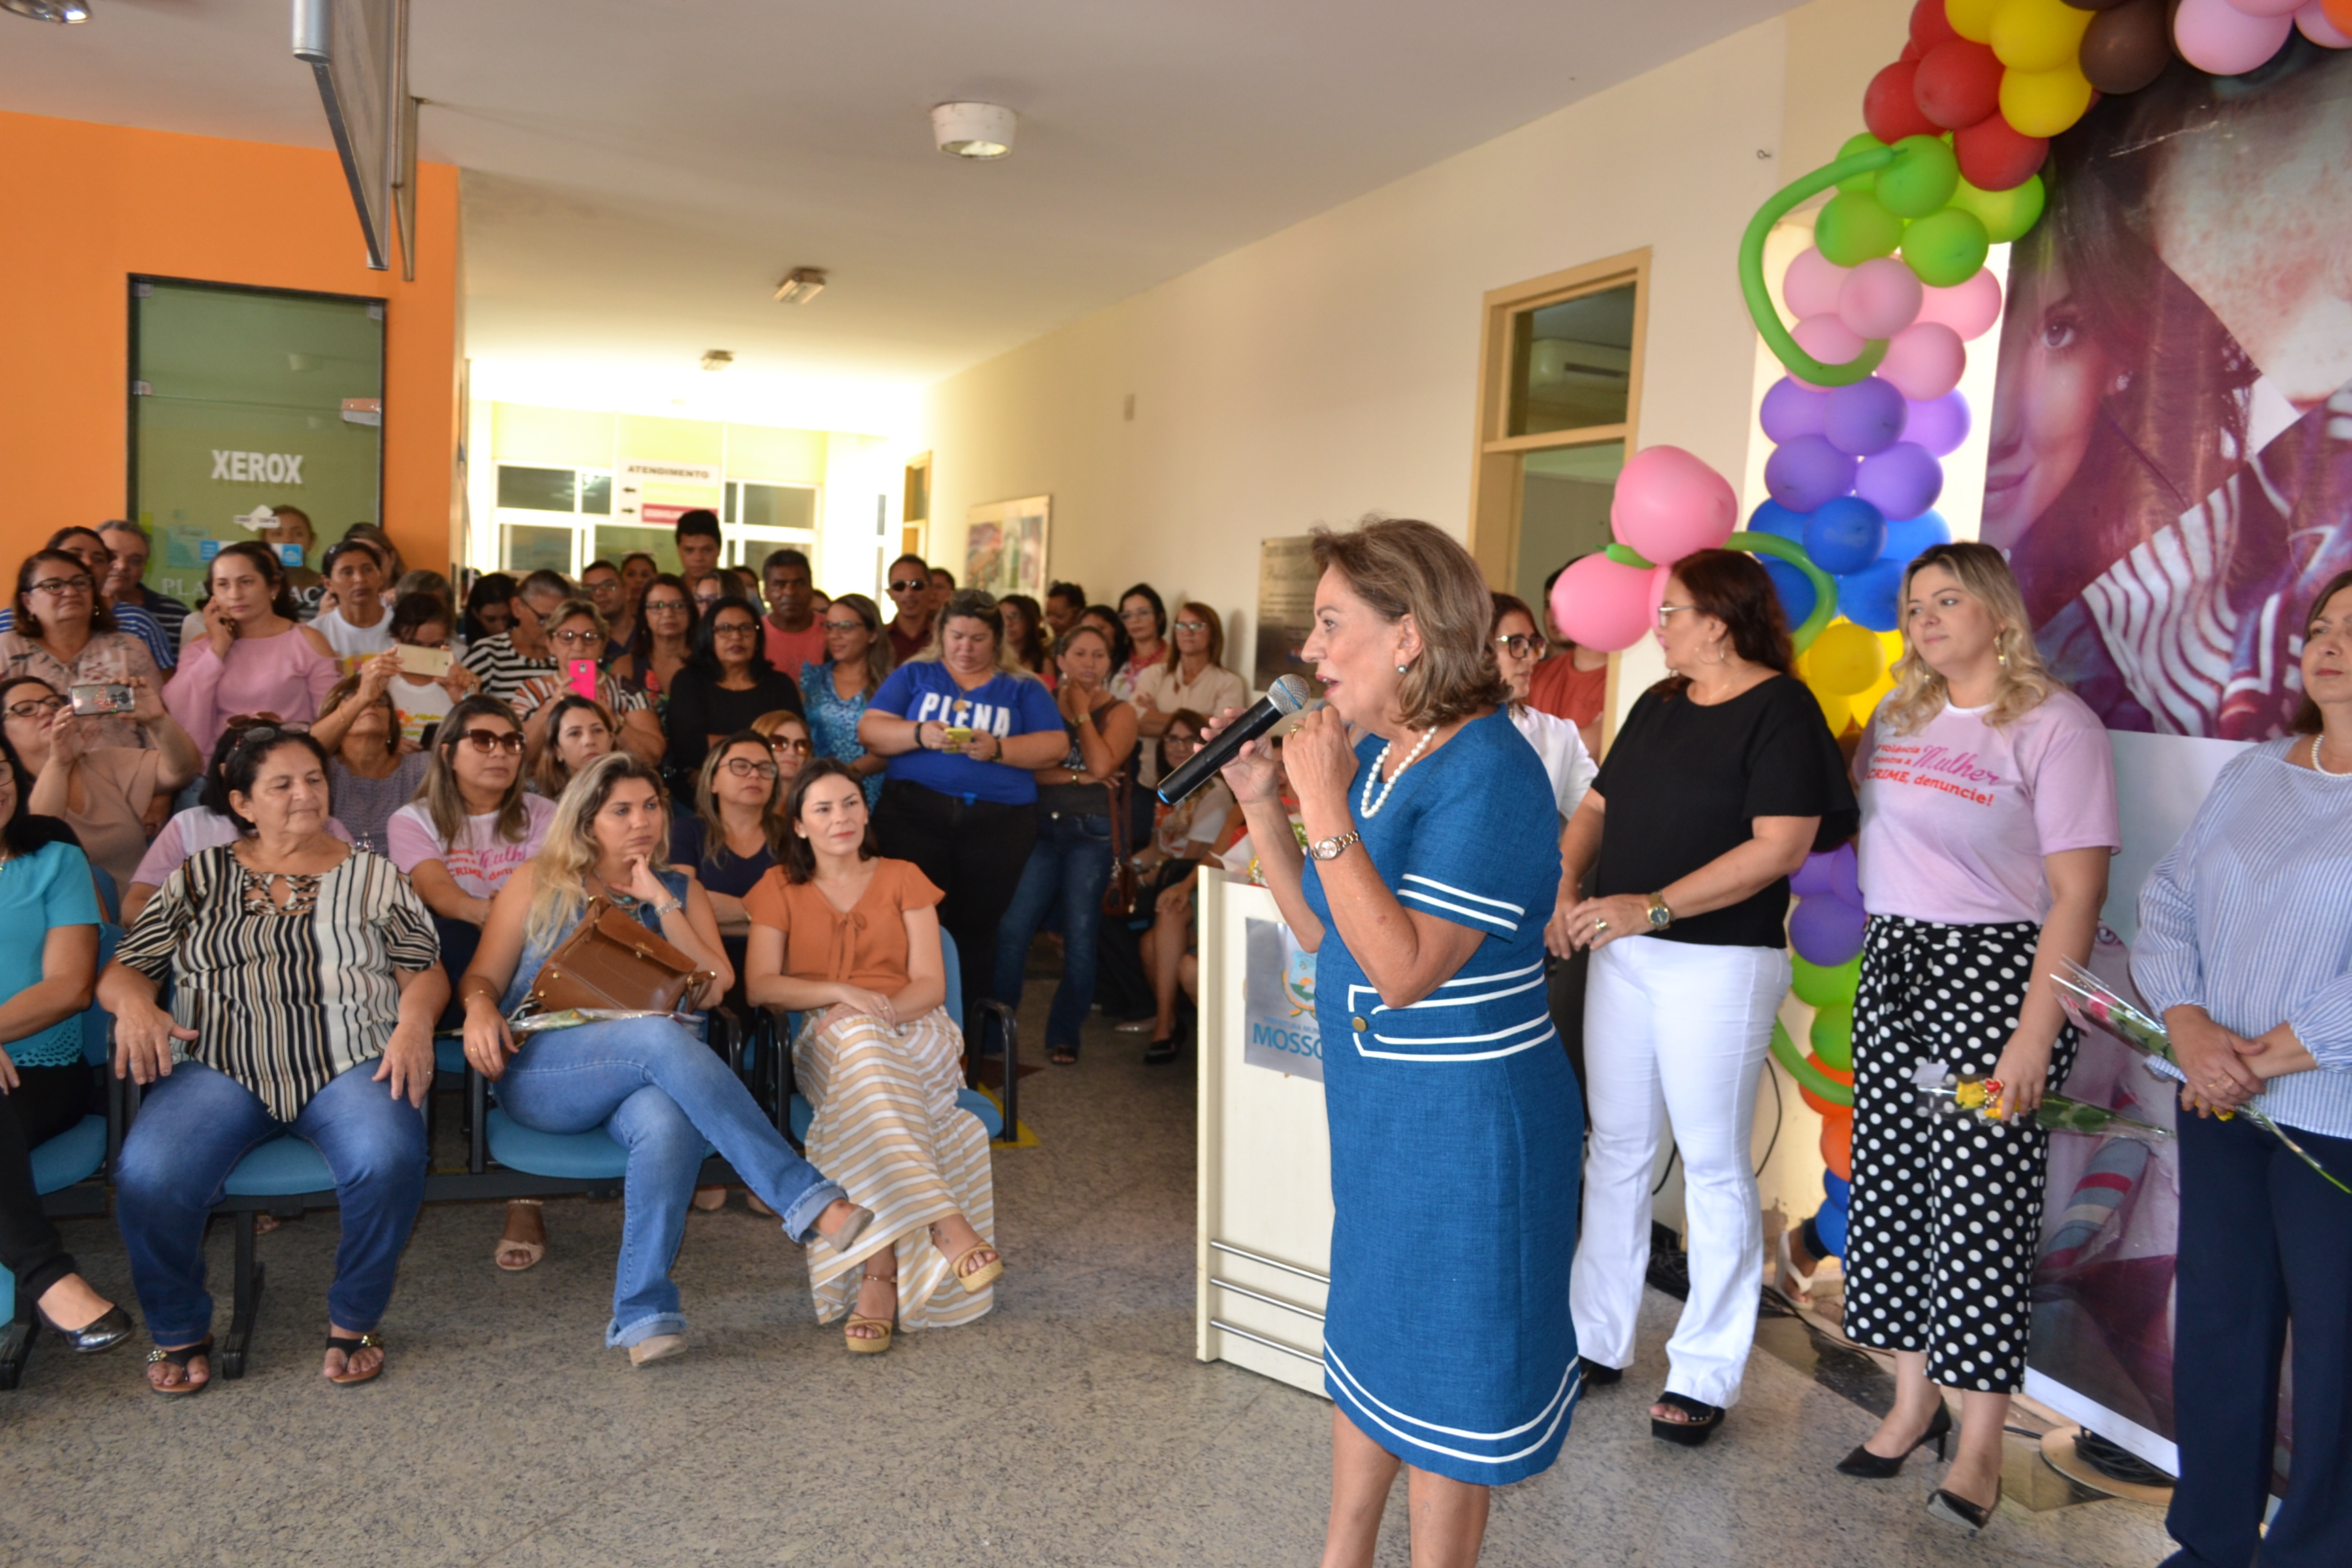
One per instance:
(1866,417)
(1826,931)
(1812,879)
(1792,409)
(1901,482)
(1845,875)
(1804,473)
(1940,425)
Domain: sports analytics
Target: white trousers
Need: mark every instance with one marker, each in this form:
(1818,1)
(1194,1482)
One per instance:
(1674,1030)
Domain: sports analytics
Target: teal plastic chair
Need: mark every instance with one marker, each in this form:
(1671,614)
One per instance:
(63,1169)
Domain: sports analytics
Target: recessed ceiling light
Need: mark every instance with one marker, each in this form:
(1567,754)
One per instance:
(800,285)
(973,129)
(49,10)
(718,359)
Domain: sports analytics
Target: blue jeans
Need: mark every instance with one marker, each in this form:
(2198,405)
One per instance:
(659,1092)
(193,1128)
(1067,871)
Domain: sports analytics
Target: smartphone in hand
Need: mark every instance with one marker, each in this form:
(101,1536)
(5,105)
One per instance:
(427,662)
(97,699)
(580,674)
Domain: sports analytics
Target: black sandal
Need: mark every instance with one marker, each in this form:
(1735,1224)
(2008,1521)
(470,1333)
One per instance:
(180,1358)
(1597,1375)
(1160,1053)
(367,1341)
(1703,1419)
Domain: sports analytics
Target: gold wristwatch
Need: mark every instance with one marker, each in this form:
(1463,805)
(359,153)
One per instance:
(1661,917)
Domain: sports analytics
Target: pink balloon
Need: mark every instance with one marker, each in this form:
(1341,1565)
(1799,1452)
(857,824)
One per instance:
(2268,7)
(1603,605)
(2215,35)
(2313,24)
(1925,361)
(1881,298)
(1970,308)
(1827,339)
(1811,287)
(1669,503)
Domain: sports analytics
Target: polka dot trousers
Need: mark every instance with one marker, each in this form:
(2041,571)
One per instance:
(1946,1210)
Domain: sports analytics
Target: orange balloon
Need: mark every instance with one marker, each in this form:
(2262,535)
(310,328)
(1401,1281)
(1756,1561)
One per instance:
(1837,1148)
(1829,1110)
(2338,12)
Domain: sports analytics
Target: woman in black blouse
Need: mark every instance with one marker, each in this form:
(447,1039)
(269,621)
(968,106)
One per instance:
(1721,781)
(726,684)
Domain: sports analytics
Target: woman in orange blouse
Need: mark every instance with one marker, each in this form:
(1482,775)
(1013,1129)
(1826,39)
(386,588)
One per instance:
(851,942)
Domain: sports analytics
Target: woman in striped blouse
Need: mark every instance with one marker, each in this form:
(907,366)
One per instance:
(852,942)
(305,979)
(2245,949)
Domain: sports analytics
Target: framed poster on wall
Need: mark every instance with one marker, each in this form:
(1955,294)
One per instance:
(1286,577)
(1004,546)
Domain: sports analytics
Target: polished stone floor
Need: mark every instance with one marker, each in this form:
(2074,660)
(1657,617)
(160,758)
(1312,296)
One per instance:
(1072,1428)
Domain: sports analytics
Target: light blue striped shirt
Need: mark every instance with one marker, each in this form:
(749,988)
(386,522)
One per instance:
(2250,917)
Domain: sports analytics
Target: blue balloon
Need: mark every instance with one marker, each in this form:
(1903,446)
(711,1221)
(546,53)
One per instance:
(1771,517)
(1907,538)
(1796,590)
(1872,596)
(1845,535)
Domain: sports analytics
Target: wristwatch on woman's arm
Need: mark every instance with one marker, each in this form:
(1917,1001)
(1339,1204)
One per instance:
(1661,917)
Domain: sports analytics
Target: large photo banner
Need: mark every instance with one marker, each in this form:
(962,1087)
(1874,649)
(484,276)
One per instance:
(2170,475)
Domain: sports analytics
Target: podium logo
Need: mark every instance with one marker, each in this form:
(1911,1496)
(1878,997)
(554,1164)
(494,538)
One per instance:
(257,467)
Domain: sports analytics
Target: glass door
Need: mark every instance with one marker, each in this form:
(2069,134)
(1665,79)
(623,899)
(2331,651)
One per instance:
(247,399)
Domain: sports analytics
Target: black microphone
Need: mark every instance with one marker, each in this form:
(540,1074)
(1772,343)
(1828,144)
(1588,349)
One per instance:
(1286,697)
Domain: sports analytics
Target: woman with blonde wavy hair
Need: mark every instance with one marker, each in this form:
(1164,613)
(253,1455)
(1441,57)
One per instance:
(654,1088)
(1988,816)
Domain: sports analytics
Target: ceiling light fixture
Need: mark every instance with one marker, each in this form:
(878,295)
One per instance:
(973,129)
(800,285)
(718,359)
(49,10)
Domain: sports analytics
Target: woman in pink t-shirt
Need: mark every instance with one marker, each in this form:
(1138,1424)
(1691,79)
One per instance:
(1988,817)
(252,657)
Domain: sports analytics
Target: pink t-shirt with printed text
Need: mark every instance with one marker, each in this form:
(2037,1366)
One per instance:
(482,861)
(1956,819)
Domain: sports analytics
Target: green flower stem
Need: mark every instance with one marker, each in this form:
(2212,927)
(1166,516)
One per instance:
(1777,337)
(1789,550)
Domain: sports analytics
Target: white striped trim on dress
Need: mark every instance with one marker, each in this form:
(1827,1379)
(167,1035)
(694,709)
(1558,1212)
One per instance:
(1535,969)
(1434,902)
(1540,1021)
(1571,1382)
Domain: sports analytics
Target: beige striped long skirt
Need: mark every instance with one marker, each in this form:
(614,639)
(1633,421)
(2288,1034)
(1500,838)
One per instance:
(887,1129)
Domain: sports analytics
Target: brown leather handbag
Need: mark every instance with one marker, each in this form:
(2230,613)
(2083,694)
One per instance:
(613,961)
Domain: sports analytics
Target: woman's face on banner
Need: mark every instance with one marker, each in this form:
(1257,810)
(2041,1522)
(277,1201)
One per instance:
(2044,407)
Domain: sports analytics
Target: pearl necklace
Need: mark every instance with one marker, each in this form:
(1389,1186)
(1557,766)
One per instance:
(1372,806)
(2320,761)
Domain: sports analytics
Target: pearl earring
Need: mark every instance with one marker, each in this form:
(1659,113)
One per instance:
(1402,669)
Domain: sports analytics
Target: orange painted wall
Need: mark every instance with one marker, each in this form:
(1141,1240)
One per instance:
(82,206)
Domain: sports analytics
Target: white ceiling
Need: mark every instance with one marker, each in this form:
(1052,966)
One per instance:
(640,173)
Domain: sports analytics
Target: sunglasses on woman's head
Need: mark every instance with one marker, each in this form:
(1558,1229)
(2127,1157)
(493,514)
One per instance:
(32,707)
(489,741)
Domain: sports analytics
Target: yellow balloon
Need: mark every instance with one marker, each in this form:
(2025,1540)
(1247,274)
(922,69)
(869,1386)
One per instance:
(1972,19)
(1836,711)
(1844,659)
(2038,35)
(2045,103)
(1865,702)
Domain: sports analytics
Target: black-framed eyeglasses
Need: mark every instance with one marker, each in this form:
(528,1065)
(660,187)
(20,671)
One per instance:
(64,585)
(1171,741)
(665,607)
(489,741)
(798,745)
(1520,645)
(1192,626)
(735,629)
(745,768)
(32,707)
(912,585)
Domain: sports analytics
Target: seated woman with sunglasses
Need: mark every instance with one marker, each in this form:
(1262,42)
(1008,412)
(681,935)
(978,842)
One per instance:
(724,687)
(578,732)
(1185,838)
(649,1082)
(576,630)
(851,941)
(203,826)
(790,742)
(304,985)
(64,634)
(103,793)
(471,830)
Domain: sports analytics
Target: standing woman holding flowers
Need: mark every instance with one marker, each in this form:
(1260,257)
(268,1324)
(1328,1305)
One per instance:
(1988,816)
(2246,950)
(1448,1347)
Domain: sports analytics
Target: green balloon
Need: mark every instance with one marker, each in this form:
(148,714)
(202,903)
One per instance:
(1855,228)
(1920,180)
(1833,1037)
(1859,142)
(2006,214)
(1817,986)
(1946,247)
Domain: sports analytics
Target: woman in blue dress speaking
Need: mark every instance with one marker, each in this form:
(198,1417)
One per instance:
(1456,1121)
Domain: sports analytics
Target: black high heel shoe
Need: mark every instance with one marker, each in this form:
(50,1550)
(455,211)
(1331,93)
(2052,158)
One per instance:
(1866,1466)
(103,1332)
(1959,1511)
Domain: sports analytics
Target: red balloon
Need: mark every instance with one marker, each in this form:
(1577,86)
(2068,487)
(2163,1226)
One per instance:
(1890,106)
(1958,84)
(1994,156)
(1929,24)
(1911,51)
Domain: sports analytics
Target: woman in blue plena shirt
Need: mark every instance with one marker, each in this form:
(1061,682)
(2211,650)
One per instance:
(963,727)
